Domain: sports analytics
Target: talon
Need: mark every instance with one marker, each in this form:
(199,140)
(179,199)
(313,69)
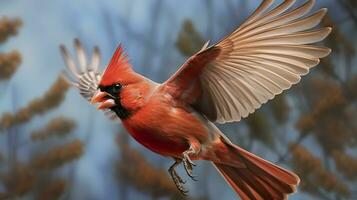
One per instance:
(190,161)
(184,192)
(177,179)
(193,177)
(188,165)
(182,181)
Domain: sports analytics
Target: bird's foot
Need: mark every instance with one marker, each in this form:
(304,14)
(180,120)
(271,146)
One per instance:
(177,179)
(178,182)
(188,165)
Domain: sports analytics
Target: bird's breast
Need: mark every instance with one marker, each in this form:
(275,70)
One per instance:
(165,129)
(157,141)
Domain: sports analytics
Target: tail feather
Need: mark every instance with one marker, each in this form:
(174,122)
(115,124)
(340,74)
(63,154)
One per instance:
(259,179)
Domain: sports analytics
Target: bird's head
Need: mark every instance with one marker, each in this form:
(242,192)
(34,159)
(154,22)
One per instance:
(117,77)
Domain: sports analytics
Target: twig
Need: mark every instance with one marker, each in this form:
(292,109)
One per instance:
(282,158)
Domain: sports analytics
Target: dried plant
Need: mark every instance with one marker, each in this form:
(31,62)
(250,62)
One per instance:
(59,126)
(19,178)
(346,164)
(54,190)
(9,63)
(8,27)
(135,170)
(51,99)
(189,40)
(18,181)
(59,156)
(314,175)
(280,108)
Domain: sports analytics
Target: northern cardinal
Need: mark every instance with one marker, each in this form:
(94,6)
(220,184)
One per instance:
(221,83)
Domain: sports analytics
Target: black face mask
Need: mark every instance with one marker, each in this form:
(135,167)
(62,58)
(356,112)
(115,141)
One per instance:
(114,92)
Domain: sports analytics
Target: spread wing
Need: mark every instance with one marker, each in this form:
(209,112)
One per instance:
(267,54)
(84,74)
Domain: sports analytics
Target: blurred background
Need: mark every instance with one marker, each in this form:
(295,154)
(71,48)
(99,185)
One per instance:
(54,145)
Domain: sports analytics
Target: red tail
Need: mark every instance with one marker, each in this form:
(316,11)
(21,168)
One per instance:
(259,179)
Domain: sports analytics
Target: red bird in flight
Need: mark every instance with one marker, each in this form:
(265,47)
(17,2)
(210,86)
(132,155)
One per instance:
(221,83)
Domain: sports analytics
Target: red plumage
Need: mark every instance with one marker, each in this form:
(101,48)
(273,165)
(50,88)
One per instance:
(118,70)
(168,125)
(226,82)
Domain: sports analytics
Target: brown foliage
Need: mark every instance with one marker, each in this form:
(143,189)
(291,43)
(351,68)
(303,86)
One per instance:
(327,118)
(18,181)
(59,126)
(189,40)
(59,156)
(9,63)
(53,191)
(328,98)
(280,108)
(334,135)
(306,123)
(336,40)
(134,169)
(259,128)
(351,90)
(51,99)
(8,27)
(346,164)
(315,177)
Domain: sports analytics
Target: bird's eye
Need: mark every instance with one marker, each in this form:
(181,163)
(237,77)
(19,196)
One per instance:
(116,88)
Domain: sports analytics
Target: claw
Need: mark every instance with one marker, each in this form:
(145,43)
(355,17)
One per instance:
(188,165)
(193,178)
(179,183)
(177,179)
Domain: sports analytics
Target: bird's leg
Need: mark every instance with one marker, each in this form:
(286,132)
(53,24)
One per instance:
(187,162)
(188,165)
(176,178)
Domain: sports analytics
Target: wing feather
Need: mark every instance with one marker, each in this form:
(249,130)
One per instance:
(96,59)
(291,27)
(266,55)
(257,13)
(278,21)
(86,76)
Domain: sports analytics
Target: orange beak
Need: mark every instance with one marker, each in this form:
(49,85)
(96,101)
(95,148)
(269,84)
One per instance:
(102,98)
